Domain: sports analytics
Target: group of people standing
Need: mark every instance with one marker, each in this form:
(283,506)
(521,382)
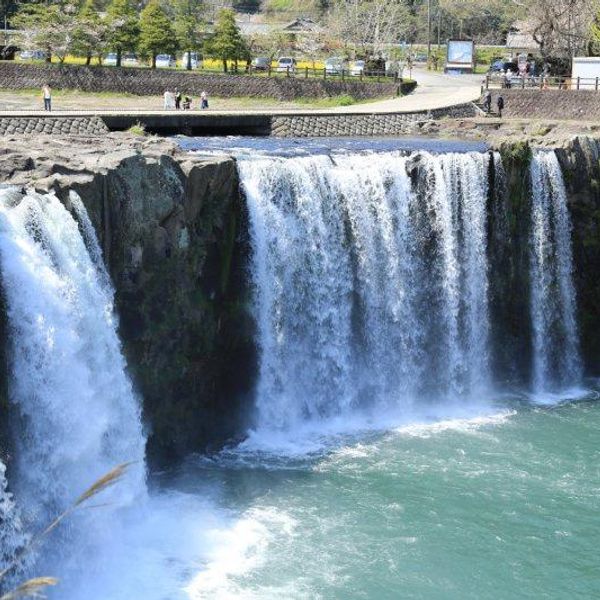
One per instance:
(487,103)
(175,100)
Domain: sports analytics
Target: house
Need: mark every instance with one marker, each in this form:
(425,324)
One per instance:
(520,40)
(302,25)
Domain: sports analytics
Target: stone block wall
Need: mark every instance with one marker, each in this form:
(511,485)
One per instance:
(52,125)
(146,82)
(361,124)
(578,105)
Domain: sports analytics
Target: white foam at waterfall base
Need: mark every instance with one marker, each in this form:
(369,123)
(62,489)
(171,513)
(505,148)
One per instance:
(370,295)
(12,536)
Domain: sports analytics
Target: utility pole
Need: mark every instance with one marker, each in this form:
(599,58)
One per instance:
(429,34)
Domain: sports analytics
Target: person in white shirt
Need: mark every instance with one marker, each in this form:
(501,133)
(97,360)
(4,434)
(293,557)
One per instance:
(47,95)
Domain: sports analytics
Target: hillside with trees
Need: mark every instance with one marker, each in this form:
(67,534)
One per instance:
(92,28)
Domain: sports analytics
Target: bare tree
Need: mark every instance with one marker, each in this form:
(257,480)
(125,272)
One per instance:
(369,24)
(52,28)
(561,28)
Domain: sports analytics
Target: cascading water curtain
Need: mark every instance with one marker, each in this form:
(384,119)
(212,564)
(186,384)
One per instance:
(556,357)
(371,288)
(75,414)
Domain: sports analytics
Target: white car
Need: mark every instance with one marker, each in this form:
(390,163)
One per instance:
(286,64)
(110,60)
(32,55)
(196,60)
(164,61)
(357,68)
(334,65)
(130,60)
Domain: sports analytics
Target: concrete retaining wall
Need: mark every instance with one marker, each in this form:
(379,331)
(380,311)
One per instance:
(147,82)
(576,105)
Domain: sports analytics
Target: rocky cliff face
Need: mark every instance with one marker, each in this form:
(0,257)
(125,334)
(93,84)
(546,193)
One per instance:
(173,233)
(510,224)
(580,162)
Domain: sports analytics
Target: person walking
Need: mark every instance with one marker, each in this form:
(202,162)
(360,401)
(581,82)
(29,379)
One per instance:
(500,105)
(47,95)
(487,101)
(177,100)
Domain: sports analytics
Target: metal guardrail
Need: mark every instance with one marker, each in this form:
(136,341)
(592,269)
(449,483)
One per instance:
(542,82)
(313,73)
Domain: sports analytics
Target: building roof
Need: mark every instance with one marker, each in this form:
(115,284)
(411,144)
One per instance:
(302,25)
(520,37)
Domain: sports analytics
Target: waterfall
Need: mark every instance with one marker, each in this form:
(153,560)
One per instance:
(370,281)
(75,413)
(12,536)
(556,360)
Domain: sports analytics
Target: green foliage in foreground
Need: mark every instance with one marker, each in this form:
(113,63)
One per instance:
(137,129)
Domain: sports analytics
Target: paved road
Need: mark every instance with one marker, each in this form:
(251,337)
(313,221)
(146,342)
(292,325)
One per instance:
(434,90)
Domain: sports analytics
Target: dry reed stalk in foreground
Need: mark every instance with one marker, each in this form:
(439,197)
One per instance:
(33,587)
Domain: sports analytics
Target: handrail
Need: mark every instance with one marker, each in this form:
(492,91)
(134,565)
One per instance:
(543,82)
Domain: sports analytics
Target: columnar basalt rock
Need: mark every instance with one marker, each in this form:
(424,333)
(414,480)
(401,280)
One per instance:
(172,230)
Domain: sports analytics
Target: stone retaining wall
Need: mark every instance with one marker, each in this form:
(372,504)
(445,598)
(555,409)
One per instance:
(575,105)
(361,124)
(53,125)
(182,122)
(147,82)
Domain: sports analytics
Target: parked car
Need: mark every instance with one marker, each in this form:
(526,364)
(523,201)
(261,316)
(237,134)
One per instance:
(286,64)
(164,61)
(110,60)
(196,59)
(32,55)
(357,68)
(497,66)
(334,65)
(129,60)
(260,63)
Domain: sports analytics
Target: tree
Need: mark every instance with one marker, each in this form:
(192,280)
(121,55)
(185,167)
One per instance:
(561,28)
(227,42)
(188,24)
(91,35)
(123,27)
(369,25)
(156,32)
(49,27)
